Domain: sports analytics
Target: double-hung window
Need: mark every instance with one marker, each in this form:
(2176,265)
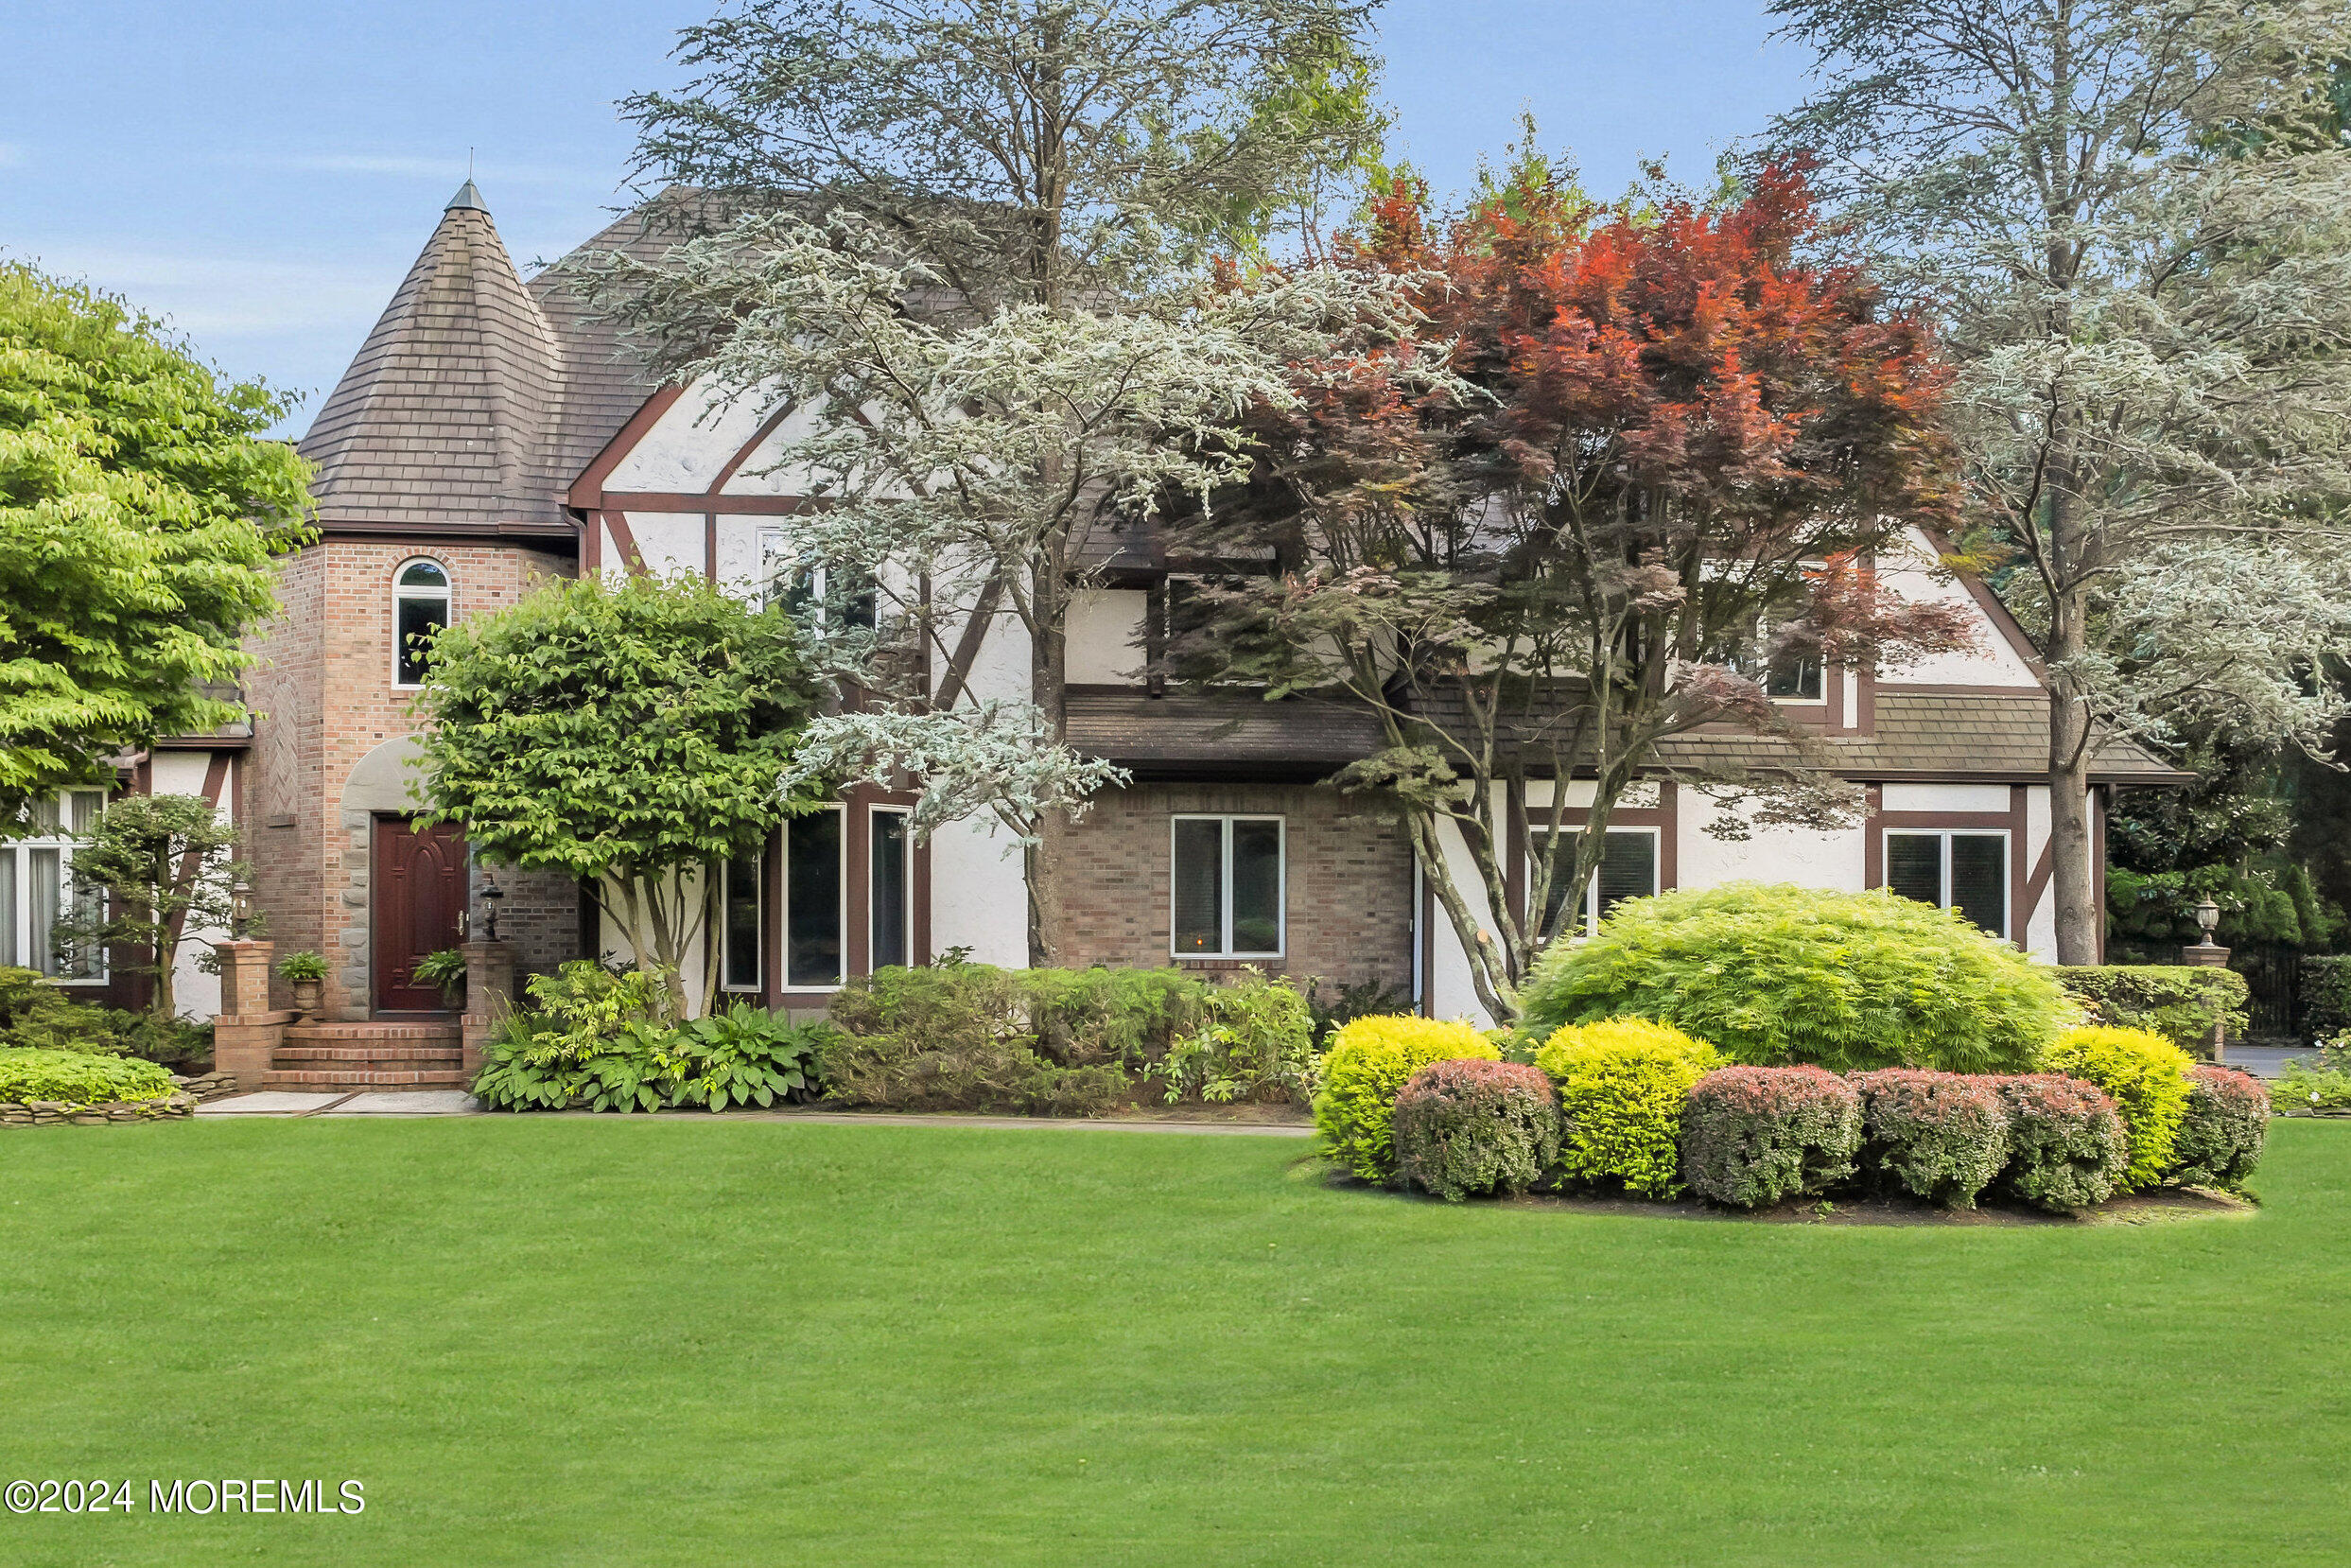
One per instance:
(815,905)
(1628,869)
(1958,868)
(36,891)
(814,594)
(1225,884)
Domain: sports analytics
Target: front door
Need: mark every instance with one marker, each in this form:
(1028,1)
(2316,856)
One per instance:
(419,885)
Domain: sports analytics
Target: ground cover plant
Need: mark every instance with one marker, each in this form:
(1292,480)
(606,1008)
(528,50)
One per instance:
(78,1078)
(1776,974)
(873,1347)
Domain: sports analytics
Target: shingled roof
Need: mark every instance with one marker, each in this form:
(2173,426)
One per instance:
(478,397)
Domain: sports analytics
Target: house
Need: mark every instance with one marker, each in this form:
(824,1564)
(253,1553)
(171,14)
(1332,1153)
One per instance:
(486,438)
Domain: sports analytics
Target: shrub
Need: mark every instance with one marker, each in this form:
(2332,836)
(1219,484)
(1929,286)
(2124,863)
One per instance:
(2301,1087)
(34,1015)
(1940,1135)
(2146,1077)
(78,1077)
(1360,998)
(1475,1126)
(2227,1122)
(957,1036)
(1082,1017)
(2325,986)
(2183,1002)
(1779,974)
(1370,1059)
(1254,1040)
(1622,1085)
(1752,1136)
(2068,1148)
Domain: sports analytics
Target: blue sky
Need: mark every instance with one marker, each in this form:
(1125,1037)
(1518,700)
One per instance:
(263,172)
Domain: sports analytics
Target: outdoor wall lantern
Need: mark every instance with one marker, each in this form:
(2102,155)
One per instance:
(2208,916)
(241,911)
(491,894)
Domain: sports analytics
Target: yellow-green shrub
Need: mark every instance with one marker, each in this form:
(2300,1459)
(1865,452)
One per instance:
(2146,1074)
(1623,1082)
(1370,1060)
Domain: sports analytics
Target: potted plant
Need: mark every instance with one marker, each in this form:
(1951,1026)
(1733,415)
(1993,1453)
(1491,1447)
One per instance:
(446,972)
(306,971)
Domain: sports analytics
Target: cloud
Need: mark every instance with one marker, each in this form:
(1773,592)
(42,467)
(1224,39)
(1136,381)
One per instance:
(216,297)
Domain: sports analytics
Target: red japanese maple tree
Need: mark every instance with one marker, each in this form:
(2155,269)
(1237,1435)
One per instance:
(1628,479)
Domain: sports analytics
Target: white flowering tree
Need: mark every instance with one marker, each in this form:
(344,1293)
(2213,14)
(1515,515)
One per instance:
(2133,222)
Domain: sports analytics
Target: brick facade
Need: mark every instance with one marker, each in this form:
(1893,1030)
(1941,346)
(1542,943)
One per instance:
(1348,875)
(325,695)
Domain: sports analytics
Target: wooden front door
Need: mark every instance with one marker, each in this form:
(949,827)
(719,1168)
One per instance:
(419,894)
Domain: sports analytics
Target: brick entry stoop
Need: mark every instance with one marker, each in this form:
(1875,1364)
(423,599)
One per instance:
(371,1055)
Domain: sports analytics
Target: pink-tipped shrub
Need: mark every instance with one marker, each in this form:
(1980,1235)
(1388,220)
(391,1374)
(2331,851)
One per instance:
(2067,1146)
(2228,1120)
(1752,1136)
(1943,1136)
(1475,1126)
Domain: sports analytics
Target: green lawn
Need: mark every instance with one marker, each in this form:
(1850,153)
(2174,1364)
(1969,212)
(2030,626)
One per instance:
(588,1341)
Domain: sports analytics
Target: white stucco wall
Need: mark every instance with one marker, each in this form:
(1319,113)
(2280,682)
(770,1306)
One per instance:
(197,994)
(978,900)
(673,544)
(689,445)
(1105,635)
(1991,662)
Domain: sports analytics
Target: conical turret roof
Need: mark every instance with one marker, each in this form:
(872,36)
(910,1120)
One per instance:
(444,417)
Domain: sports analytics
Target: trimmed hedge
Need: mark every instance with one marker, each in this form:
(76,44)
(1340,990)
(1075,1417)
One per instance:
(2183,1002)
(78,1077)
(2146,1077)
(1623,1082)
(1941,1136)
(1752,1136)
(2068,1148)
(1774,975)
(2325,986)
(1370,1061)
(1475,1126)
(2227,1123)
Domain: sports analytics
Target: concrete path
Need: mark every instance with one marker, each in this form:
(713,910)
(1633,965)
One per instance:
(2268,1061)
(273,1102)
(408,1102)
(455,1102)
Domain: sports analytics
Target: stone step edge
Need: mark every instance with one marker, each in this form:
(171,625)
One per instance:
(352,1080)
(421,1055)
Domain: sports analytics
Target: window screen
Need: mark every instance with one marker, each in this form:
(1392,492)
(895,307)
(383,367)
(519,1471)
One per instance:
(743,889)
(890,899)
(812,900)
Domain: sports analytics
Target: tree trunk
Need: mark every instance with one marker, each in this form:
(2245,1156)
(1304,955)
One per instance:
(1049,677)
(2073,884)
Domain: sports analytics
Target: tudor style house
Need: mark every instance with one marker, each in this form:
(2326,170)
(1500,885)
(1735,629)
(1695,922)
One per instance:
(487,438)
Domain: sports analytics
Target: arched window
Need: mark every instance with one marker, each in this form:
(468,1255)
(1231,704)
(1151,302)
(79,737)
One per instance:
(419,607)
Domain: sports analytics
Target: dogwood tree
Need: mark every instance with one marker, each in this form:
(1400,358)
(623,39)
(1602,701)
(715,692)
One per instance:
(2133,223)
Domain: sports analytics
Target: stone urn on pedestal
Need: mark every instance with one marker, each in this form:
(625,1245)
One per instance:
(306,973)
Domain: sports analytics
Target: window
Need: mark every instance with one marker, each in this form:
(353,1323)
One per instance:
(1628,858)
(810,592)
(419,607)
(1961,869)
(1225,881)
(1796,677)
(743,902)
(813,905)
(892,902)
(37,890)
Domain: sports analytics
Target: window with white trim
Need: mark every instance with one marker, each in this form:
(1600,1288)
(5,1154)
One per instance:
(812,593)
(419,607)
(1961,868)
(891,905)
(1226,886)
(742,924)
(1628,869)
(815,901)
(37,890)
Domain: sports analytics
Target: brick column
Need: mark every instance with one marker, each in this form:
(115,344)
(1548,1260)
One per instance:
(246,1034)
(489,994)
(2205,954)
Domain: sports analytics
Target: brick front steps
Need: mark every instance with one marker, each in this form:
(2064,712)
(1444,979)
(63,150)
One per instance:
(353,1056)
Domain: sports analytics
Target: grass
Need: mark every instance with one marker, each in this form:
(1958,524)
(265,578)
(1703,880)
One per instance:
(598,1341)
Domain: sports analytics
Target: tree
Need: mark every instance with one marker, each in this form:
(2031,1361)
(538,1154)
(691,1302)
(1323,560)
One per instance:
(629,736)
(139,508)
(1628,471)
(966,236)
(2133,222)
(162,864)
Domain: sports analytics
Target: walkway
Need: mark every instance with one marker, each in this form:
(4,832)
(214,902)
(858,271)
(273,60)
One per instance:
(457,1103)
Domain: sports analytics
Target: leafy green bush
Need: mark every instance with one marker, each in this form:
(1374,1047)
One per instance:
(1464,1127)
(2325,986)
(34,1015)
(1084,1017)
(2183,1002)
(1623,1084)
(445,971)
(301,966)
(1781,974)
(2068,1148)
(1362,999)
(1752,1136)
(2301,1087)
(78,1077)
(1370,1059)
(1254,1040)
(1941,1136)
(957,1036)
(2145,1075)
(2221,1135)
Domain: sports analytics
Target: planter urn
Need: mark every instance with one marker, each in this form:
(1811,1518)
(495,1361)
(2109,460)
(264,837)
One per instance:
(306,998)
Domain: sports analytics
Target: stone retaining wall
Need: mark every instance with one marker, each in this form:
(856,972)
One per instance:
(49,1113)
